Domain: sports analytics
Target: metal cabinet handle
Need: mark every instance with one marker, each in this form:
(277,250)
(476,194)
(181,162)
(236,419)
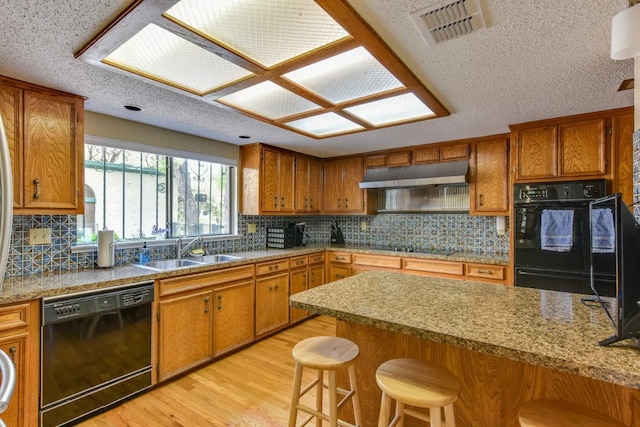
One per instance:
(273,267)
(275,201)
(338,203)
(299,262)
(340,258)
(306,204)
(282,202)
(36,191)
(311,203)
(346,203)
(219,302)
(270,288)
(486,272)
(340,276)
(277,287)
(206,305)
(479,199)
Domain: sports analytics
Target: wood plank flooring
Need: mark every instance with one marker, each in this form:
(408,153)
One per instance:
(249,388)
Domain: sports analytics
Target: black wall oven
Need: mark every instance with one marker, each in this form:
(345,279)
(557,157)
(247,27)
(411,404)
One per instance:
(566,269)
(95,351)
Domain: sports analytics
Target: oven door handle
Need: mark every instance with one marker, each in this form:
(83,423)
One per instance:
(551,276)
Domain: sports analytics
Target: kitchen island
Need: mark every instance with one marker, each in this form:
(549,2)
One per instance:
(506,345)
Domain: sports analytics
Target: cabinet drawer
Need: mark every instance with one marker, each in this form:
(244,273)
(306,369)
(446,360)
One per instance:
(14,316)
(272,266)
(426,155)
(454,152)
(299,261)
(377,260)
(340,257)
(375,161)
(402,158)
(176,285)
(433,266)
(316,258)
(495,272)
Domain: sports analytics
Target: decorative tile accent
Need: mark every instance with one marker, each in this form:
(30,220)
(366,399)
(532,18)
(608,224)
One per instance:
(424,232)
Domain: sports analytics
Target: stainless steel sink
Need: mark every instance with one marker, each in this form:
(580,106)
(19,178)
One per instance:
(169,264)
(211,259)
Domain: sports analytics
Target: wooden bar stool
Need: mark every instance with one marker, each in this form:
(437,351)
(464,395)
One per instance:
(420,384)
(324,354)
(559,413)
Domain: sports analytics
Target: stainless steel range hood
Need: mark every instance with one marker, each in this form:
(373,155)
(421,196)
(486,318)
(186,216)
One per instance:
(442,173)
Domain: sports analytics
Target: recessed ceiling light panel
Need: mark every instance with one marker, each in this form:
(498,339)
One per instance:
(401,108)
(350,75)
(157,53)
(325,124)
(267,31)
(269,100)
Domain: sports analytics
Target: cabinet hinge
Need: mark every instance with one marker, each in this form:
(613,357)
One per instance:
(609,130)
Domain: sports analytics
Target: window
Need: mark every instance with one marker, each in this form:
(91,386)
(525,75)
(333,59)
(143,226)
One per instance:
(142,195)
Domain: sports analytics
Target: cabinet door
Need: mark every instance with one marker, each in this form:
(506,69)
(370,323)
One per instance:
(16,348)
(185,332)
(272,303)
(52,152)
(299,281)
(353,195)
(332,185)
(287,182)
(316,275)
(454,152)
(623,168)
(581,148)
(233,316)
(302,183)
(315,185)
(536,153)
(338,271)
(426,155)
(11,110)
(489,190)
(270,181)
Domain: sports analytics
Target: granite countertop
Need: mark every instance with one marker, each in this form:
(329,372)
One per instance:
(547,328)
(24,288)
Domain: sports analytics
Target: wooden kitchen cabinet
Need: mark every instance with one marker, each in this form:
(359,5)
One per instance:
(489,177)
(233,319)
(272,296)
(339,266)
(366,262)
(267,180)
(433,267)
(316,270)
(567,148)
(622,129)
(299,281)
(342,193)
(19,338)
(485,273)
(388,160)
(278,181)
(45,129)
(440,153)
(185,332)
(308,184)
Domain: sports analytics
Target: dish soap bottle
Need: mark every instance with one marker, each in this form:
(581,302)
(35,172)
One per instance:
(145,254)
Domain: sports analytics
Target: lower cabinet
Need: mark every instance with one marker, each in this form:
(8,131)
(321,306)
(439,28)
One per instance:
(185,332)
(299,281)
(339,266)
(233,319)
(19,338)
(272,296)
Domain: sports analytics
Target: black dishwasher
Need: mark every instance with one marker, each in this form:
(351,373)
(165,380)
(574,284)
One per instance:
(95,351)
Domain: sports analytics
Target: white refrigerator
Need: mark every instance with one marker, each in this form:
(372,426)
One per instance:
(6,200)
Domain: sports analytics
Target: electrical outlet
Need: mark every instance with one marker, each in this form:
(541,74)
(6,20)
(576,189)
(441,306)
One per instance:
(39,236)
(363,226)
(251,228)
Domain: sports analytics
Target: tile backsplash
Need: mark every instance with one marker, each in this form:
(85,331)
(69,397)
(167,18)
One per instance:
(424,232)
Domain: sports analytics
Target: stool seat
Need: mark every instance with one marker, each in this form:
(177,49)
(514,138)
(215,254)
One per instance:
(325,352)
(558,413)
(419,384)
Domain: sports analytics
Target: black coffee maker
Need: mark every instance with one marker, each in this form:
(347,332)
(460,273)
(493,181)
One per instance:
(298,233)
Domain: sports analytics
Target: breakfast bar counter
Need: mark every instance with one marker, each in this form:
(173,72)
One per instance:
(506,345)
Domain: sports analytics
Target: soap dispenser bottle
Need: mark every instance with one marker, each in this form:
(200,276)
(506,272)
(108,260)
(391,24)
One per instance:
(145,254)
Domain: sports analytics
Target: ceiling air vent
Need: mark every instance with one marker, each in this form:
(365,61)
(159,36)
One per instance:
(449,20)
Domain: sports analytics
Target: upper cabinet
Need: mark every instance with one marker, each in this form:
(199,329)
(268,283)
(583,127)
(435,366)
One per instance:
(622,134)
(440,153)
(388,160)
(552,149)
(342,192)
(489,177)
(308,184)
(45,131)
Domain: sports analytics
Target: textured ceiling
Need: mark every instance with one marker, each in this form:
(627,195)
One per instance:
(537,59)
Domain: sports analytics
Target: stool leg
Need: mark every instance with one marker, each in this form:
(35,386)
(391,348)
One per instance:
(295,394)
(385,406)
(356,399)
(435,415)
(333,400)
(400,413)
(449,416)
(319,391)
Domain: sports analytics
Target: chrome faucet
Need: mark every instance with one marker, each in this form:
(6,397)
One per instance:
(182,248)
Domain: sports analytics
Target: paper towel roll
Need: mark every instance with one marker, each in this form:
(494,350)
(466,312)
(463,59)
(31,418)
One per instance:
(105,248)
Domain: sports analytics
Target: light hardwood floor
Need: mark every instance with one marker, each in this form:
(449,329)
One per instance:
(249,388)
